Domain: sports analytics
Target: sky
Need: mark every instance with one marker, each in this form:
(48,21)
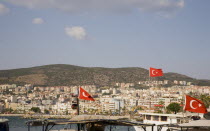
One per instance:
(173,35)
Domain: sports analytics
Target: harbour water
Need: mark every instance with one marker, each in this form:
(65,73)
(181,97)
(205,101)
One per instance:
(18,124)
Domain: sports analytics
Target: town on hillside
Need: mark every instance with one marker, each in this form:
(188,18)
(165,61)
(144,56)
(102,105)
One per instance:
(121,99)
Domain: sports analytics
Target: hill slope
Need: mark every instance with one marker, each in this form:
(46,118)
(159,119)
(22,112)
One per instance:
(60,74)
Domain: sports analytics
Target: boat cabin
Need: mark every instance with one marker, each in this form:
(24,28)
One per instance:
(159,119)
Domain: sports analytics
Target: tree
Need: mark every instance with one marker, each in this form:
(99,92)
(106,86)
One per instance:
(8,110)
(205,99)
(29,91)
(36,109)
(174,107)
(46,111)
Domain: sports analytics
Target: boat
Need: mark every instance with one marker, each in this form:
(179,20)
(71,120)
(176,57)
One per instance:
(178,122)
(152,122)
(89,123)
(4,126)
(163,122)
(198,123)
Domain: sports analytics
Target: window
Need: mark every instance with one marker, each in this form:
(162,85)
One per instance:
(148,117)
(156,118)
(163,118)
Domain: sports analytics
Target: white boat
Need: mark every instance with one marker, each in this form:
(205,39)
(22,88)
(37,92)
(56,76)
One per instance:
(160,120)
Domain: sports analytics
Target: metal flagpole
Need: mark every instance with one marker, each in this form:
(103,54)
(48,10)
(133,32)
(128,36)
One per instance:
(78,101)
(150,79)
(78,125)
(149,86)
(183,103)
(149,76)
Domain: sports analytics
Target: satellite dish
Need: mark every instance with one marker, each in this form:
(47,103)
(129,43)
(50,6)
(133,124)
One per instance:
(207,116)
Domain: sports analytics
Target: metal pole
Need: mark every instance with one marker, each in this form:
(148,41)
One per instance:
(78,102)
(78,125)
(42,126)
(77,106)
(28,126)
(119,107)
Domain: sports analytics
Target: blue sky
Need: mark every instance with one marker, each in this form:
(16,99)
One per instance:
(170,34)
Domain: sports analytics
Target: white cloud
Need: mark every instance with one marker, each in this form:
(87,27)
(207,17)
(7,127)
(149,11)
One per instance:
(37,21)
(3,9)
(76,32)
(77,6)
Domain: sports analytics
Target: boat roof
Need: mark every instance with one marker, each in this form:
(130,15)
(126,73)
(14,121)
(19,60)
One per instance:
(102,121)
(88,117)
(158,114)
(85,119)
(2,120)
(196,123)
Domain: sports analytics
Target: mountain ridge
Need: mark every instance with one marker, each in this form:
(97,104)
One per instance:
(66,75)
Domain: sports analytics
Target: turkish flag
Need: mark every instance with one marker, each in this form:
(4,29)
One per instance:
(155,72)
(194,105)
(85,95)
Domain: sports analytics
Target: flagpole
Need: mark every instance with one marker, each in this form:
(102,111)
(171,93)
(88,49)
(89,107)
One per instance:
(183,103)
(149,86)
(78,101)
(78,125)
(149,78)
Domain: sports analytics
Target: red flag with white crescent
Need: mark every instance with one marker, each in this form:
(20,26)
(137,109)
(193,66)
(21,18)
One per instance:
(155,72)
(194,105)
(83,94)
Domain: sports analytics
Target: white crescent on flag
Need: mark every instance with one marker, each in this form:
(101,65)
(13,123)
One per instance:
(83,93)
(194,105)
(154,72)
(191,104)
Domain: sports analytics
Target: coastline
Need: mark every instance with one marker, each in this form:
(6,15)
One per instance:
(39,116)
(11,114)
(44,116)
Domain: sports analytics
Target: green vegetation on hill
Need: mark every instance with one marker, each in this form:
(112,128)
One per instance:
(61,75)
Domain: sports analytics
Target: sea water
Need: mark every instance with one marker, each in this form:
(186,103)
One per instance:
(18,124)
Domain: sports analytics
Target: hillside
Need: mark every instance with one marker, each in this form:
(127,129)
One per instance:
(60,74)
